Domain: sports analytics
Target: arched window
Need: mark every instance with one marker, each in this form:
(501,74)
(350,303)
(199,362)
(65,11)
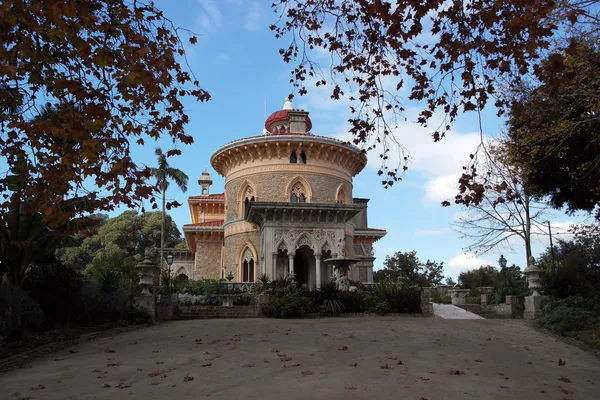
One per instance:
(298,194)
(247,197)
(302,158)
(342,195)
(293,158)
(248,266)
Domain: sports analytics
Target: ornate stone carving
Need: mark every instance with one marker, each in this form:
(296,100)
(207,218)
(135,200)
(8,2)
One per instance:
(326,247)
(318,235)
(292,235)
(248,255)
(532,273)
(277,235)
(305,241)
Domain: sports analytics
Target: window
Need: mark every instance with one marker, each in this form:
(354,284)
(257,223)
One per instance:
(248,266)
(302,158)
(293,158)
(298,193)
(247,197)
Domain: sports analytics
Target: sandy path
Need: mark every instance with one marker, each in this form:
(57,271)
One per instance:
(386,358)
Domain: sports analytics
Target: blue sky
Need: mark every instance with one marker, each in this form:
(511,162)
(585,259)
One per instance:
(237,61)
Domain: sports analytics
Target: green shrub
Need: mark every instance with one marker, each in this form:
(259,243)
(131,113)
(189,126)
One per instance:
(243,300)
(563,318)
(18,311)
(288,305)
(201,288)
(474,300)
(381,307)
(94,305)
(445,300)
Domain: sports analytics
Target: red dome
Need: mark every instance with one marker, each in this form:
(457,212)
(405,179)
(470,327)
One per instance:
(282,116)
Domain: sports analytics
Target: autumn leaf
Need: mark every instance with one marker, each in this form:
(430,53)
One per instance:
(154,383)
(116,364)
(386,366)
(188,378)
(154,373)
(106,385)
(456,372)
(561,362)
(285,358)
(107,350)
(38,387)
(343,348)
(207,365)
(563,379)
(565,391)
(306,373)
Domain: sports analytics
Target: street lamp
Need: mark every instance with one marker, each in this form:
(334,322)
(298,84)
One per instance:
(502,262)
(169,259)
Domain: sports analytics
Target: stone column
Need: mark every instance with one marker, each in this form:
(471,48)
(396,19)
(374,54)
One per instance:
(318,271)
(291,271)
(274,267)
(533,302)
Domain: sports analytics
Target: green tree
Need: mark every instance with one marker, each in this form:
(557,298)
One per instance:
(554,130)
(119,242)
(575,270)
(406,265)
(163,174)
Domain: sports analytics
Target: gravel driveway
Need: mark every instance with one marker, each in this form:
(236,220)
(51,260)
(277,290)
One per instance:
(331,358)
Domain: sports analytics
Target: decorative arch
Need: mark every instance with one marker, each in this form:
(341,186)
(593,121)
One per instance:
(247,263)
(342,194)
(182,271)
(295,188)
(246,194)
(282,246)
(304,239)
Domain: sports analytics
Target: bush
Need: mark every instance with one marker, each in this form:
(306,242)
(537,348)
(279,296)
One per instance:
(93,304)
(192,300)
(380,308)
(18,311)
(473,300)
(243,300)
(55,291)
(288,305)
(201,288)
(445,300)
(563,318)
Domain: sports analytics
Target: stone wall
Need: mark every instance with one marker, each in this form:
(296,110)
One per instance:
(272,187)
(234,244)
(208,260)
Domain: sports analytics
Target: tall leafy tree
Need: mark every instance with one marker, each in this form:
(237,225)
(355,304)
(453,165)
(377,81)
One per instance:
(407,266)
(446,55)
(114,71)
(163,174)
(554,130)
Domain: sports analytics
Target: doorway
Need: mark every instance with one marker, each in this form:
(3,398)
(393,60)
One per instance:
(304,264)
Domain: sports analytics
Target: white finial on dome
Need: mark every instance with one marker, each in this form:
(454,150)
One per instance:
(265,132)
(288,104)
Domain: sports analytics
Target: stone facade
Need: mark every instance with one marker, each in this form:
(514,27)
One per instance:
(272,187)
(206,255)
(286,208)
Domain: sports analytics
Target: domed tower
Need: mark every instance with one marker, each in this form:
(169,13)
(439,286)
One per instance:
(205,182)
(288,203)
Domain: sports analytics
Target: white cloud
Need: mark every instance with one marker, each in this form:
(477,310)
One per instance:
(210,15)
(444,187)
(464,262)
(254,19)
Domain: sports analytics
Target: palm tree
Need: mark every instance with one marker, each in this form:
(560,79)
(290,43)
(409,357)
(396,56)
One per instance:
(163,174)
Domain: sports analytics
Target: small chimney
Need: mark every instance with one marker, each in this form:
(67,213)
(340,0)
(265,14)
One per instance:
(298,119)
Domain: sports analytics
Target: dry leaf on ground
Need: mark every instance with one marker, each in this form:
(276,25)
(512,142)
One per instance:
(188,378)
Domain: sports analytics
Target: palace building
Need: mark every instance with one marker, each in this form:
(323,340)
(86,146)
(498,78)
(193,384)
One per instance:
(287,206)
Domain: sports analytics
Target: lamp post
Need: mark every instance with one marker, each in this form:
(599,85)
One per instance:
(169,259)
(502,262)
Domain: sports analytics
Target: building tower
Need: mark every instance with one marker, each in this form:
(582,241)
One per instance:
(205,183)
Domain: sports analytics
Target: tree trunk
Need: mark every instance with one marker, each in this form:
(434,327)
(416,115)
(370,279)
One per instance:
(527,229)
(162,230)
